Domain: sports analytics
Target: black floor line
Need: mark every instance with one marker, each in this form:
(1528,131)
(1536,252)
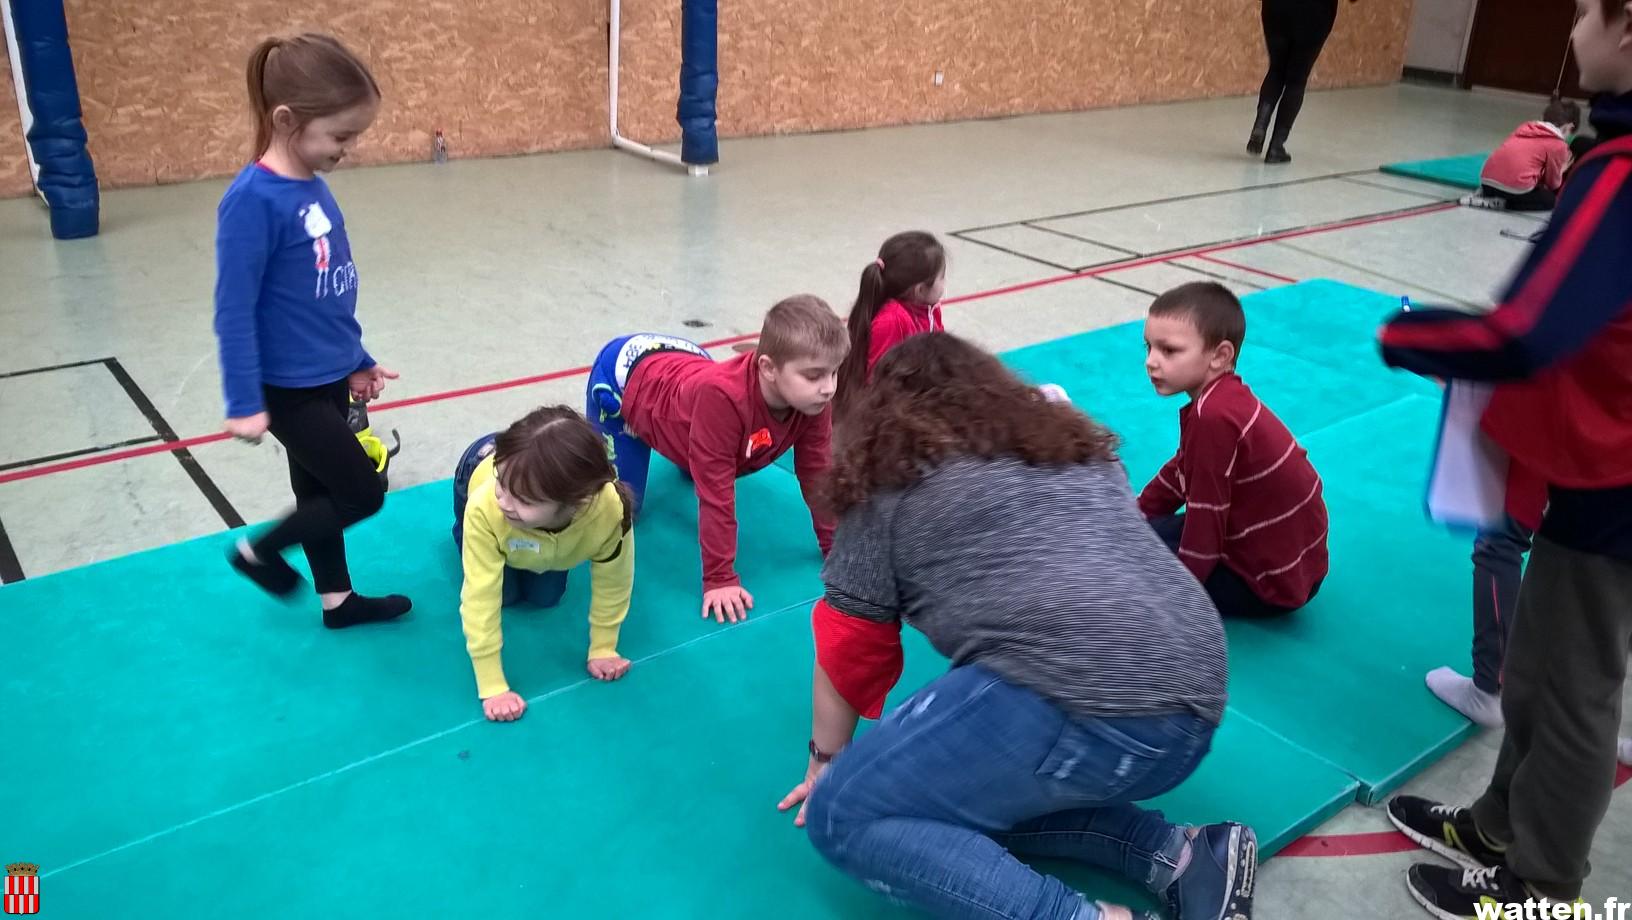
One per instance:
(82,452)
(1156,201)
(10,569)
(189,463)
(1125,285)
(1083,239)
(1216,276)
(55,367)
(1017,254)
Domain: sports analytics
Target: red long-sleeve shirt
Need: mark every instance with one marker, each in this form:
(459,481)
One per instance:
(711,420)
(1252,500)
(896,322)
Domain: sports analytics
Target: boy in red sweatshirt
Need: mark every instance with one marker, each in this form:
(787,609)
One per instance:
(1526,172)
(1559,349)
(719,421)
(1254,527)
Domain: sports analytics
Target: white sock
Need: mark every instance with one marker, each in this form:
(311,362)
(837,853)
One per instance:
(1460,694)
(1626,751)
(1053,392)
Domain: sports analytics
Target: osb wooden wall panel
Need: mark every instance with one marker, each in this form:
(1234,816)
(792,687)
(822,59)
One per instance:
(790,65)
(164,93)
(162,85)
(14,180)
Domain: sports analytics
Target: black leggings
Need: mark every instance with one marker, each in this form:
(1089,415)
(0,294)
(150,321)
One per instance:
(335,483)
(1294,33)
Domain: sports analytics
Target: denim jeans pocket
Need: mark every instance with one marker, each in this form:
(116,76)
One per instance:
(1096,761)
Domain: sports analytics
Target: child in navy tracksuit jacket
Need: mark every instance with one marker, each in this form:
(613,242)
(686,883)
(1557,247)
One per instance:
(1559,348)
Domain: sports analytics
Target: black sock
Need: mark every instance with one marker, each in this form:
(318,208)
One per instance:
(356,609)
(273,575)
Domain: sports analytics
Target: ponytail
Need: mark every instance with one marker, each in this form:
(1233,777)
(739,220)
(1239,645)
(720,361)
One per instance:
(627,496)
(312,75)
(258,106)
(853,372)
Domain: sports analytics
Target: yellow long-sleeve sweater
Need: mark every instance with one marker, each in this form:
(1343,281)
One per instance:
(492,542)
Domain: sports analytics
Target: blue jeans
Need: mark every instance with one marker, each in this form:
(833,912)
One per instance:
(933,805)
(542,589)
(608,377)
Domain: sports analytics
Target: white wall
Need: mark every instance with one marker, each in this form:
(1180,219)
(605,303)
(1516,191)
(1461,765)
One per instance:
(1439,34)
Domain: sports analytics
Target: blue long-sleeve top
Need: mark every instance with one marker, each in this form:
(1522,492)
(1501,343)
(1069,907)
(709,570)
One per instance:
(285,289)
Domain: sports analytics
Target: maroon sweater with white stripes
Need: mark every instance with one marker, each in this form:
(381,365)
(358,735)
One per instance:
(1252,500)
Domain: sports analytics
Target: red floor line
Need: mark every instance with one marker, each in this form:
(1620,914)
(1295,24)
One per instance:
(166,446)
(1206,250)
(1198,251)
(1375,843)
(1245,268)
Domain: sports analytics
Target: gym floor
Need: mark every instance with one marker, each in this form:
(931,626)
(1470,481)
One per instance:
(488,285)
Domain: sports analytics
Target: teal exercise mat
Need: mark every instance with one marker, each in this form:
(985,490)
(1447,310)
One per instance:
(651,797)
(147,690)
(1460,172)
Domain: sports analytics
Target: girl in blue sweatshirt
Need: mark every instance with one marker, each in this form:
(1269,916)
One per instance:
(285,316)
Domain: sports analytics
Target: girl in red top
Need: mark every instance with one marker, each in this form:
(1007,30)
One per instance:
(900,296)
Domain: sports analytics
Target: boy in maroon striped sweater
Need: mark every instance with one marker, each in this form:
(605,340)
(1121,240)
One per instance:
(1253,531)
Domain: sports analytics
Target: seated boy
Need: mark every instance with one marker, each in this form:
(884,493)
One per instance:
(718,421)
(1254,529)
(1526,172)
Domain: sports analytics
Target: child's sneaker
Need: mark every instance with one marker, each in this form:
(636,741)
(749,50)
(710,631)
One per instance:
(1486,202)
(1445,830)
(1218,882)
(1455,894)
(1460,694)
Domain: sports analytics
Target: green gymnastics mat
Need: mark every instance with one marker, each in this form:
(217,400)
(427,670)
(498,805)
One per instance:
(1461,172)
(174,738)
(1342,678)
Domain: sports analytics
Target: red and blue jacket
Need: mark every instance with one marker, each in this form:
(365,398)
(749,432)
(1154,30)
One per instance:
(1559,344)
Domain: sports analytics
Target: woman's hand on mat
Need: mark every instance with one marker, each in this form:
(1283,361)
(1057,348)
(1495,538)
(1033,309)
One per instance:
(506,707)
(801,792)
(608,668)
(367,385)
(250,428)
(728,604)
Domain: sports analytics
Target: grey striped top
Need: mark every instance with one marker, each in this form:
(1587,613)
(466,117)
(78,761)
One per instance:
(1048,576)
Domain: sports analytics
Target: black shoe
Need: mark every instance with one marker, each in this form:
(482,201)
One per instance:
(1218,882)
(1447,831)
(1277,154)
(274,576)
(1260,129)
(1459,894)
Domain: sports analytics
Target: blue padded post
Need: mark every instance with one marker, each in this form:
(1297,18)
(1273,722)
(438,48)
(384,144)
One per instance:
(699,81)
(67,180)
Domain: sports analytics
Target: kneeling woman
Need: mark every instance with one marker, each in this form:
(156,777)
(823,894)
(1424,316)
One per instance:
(1088,666)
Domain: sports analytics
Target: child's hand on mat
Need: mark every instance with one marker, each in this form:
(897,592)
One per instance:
(506,707)
(727,605)
(250,428)
(367,385)
(608,668)
(801,792)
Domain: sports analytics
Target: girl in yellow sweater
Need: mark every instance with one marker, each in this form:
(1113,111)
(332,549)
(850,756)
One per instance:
(528,504)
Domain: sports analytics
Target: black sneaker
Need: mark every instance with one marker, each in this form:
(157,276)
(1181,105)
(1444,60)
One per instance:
(1218,882)
(1445,830)
(1460,894)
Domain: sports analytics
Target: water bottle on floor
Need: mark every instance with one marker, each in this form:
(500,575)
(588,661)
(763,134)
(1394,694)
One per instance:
(439,148)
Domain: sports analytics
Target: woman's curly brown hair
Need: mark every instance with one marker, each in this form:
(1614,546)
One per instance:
(936,397)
